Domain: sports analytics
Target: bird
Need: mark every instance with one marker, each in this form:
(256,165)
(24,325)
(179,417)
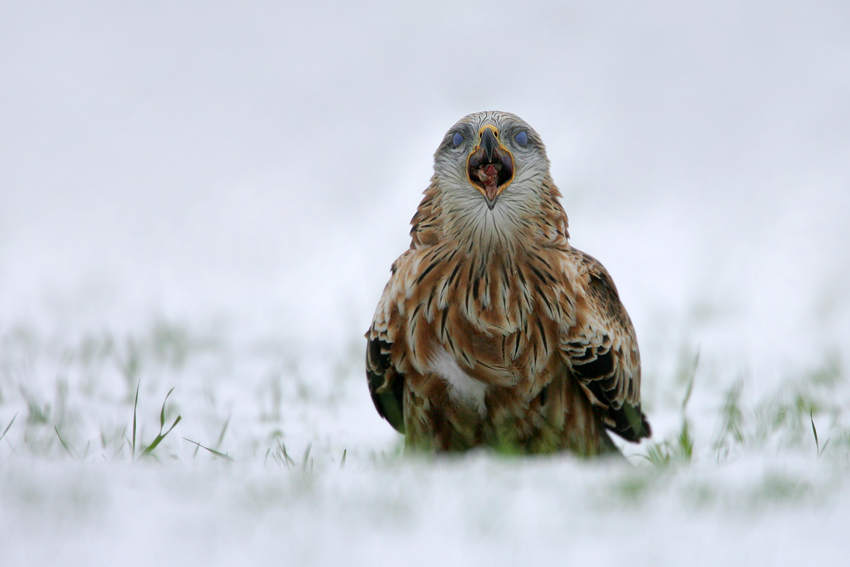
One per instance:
(493,331)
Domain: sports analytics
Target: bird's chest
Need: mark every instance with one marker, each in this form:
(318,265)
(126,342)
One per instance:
(478,325)
(483,377)
(476,365)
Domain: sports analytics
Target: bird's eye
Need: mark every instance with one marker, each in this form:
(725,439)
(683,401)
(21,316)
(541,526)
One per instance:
(457,139)
(521,138)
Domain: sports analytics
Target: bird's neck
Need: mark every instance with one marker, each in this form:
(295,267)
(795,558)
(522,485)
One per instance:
(465,220)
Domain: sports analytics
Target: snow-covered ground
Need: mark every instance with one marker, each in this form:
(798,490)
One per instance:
(208,196)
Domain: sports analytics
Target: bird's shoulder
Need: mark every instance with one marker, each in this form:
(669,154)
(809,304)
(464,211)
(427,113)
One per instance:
(601,349)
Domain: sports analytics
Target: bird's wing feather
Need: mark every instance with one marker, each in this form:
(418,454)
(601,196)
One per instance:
(386,384)
(602,351)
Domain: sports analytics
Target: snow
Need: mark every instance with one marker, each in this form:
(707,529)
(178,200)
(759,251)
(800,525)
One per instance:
(208,197)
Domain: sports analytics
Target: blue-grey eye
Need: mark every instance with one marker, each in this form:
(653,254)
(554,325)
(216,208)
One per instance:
(521,138)
(457,139)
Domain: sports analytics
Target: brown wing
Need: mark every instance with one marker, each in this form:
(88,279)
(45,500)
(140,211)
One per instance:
(602,351)
(386,384)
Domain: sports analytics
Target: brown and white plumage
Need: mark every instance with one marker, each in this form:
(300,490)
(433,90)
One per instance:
(493,330)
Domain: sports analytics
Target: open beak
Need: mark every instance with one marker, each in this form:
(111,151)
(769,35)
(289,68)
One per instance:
(490,166)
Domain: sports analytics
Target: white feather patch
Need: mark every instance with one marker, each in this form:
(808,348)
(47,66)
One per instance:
(462,387)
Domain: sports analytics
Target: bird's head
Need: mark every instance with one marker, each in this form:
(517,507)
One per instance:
(491,159)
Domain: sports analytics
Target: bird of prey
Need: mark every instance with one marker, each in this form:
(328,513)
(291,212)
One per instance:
(493,330)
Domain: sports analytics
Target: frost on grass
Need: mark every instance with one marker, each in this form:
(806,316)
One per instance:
(176,425)
(771,450)
(119,397)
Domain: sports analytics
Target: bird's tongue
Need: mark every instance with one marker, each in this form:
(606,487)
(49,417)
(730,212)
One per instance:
(489,176)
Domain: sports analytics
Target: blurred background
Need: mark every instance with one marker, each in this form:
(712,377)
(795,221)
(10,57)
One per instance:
(254,165)
(206,197)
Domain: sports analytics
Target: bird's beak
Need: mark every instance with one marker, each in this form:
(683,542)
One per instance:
(490,166)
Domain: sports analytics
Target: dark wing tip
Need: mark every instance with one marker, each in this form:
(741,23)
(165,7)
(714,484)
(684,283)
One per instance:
(627,421)
(635,426)
(385,385)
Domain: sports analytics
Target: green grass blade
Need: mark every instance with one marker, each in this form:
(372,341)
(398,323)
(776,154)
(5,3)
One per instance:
(342,461)
(686,442)
(287,459)
(306,457)
(213,451)
(815,431)
(120,447)
(162,411)
(149,449)
(67,447)
(135,406)
(691,383)
(223,431)
(5,431)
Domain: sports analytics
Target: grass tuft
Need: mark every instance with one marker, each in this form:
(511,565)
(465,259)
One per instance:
(286,458)
(731,429)
(160,436)
(680,448)
(762,431)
